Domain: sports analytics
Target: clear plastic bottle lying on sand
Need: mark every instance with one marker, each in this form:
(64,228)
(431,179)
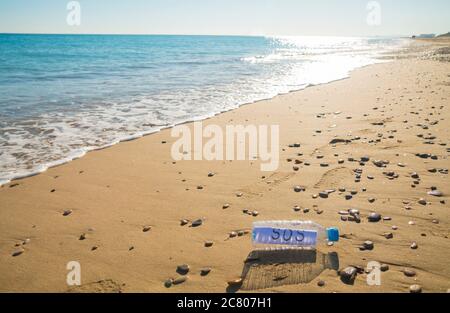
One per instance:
(291,234)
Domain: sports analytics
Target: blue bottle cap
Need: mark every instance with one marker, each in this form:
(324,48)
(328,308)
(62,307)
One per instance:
(333,234)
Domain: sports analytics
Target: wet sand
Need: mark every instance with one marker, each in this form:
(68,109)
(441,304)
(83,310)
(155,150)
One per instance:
(117,211)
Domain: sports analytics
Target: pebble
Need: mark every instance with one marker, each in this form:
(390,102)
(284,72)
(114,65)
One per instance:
(235,282)
(368,245)
(321,283)
(82,237)
(323,195)
(414,246)
(18,252)
(409,272)
(384,267)
(225,206)
(233,234)
(211,174)
(146,229)
(374,217)
(183,269)
(348,275)
(388,235)
(422,201)
(180,280)
(197,223)
(184,222)
(168,283)
(209,244)
(435,193)
(67,212)
(415,289)
(205,271)
(299,189)
(338,140)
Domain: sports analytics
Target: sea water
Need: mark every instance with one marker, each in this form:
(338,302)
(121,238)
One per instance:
(63,95)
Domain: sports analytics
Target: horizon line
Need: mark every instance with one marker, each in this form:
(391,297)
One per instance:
(205,35)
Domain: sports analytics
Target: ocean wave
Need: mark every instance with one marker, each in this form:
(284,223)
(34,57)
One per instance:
(123,102)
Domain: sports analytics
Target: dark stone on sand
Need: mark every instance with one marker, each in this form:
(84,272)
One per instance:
(409,272)
(18,252)
(233,234)
(180,280)
(368,245)
(146,229)
(422,201)
(235,283)
(197,223)
(348,275)
(374,217)
(338,140)
(205,271)
(183,269)
(67,212)
(168,283)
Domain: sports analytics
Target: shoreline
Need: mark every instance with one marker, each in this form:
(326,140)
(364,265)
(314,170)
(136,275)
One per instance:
(81,153)
(126,202)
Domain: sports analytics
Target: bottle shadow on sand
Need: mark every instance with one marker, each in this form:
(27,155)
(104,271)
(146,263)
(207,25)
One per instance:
(274,268)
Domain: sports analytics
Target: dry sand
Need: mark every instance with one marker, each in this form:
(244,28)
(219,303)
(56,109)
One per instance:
(116,192)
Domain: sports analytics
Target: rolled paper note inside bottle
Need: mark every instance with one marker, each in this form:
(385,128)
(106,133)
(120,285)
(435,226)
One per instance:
(292,234)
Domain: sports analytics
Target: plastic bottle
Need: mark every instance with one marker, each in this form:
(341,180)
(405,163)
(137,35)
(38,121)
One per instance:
(291,234)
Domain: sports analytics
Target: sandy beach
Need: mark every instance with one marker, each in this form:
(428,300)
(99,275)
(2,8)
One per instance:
(378,140)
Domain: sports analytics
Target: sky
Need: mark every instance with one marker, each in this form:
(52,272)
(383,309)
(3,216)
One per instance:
(230,17)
